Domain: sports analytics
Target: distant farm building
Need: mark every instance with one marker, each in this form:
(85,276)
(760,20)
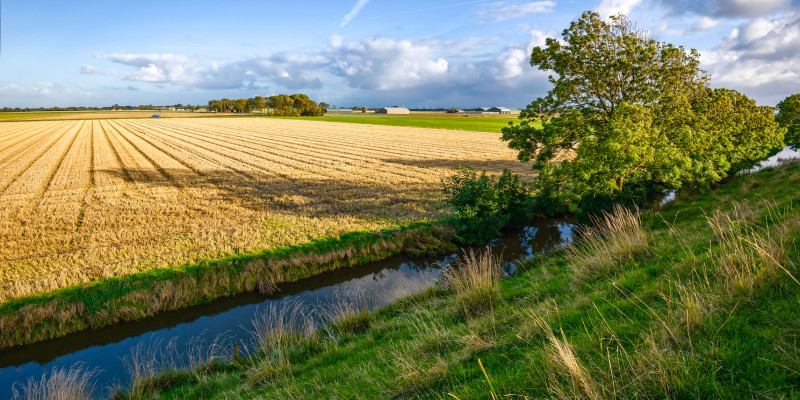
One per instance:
(481,111)
(500,110)
(489,111)
(339,111)
(393,110)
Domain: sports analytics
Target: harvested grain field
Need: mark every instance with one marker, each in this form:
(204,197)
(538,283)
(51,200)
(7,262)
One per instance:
(86,200)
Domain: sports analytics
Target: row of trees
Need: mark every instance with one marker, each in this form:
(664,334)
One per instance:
(113,107)
(283,105)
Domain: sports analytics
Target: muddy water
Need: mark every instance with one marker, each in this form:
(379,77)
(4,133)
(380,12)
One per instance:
(226,321)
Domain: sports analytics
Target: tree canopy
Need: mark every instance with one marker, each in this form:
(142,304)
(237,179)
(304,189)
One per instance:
(789,118)
(625,109)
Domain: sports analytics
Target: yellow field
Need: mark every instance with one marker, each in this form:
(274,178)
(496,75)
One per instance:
(85,200)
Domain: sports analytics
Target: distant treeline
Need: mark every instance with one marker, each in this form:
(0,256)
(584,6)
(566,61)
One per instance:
(109,108)
(284,105)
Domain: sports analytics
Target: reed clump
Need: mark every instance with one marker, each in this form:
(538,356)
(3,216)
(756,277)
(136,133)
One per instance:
(72,383)
(613,239)
(749,256)
(475,280)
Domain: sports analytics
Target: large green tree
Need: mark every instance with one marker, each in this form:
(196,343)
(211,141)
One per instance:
(625,109)
(789,118)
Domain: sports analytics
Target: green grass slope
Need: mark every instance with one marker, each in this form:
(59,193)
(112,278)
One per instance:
(698,300)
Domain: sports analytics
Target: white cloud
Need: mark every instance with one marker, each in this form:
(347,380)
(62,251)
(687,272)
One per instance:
(388,64)
(725,8)
(352,14)
(336,41)
(760,57)
(504,10)
(705,23)
(608,8)
(88,69)
(44,93)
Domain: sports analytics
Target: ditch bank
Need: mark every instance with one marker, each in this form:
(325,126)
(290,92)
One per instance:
(32,319)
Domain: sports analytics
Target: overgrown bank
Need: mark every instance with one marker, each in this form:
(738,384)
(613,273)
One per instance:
(696,301)
(31,319)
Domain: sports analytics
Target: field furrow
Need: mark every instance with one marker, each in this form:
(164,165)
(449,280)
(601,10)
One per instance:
(339,159)
(37,167)
(135,166)
(75,169)
(288,163)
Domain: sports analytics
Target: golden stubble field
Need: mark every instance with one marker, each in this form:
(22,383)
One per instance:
(86,200)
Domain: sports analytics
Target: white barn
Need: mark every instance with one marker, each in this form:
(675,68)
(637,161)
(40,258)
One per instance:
(393,110)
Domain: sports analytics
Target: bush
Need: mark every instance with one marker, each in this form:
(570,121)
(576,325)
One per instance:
(484,205)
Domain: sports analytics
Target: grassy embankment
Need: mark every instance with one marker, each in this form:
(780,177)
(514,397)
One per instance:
(699,300)
(35,318)
(473,123)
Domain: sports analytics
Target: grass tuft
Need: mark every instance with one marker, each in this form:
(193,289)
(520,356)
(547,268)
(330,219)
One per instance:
(475,280)
(71,383)
(612,240)
(749,256)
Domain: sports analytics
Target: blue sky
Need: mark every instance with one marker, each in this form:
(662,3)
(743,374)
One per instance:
(358,52)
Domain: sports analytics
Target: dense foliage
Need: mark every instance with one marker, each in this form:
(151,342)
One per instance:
(484,204)
(627,111)
(789,117)
(295,105)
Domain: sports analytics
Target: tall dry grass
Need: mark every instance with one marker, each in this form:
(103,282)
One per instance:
(150,366)
(281,324)
(74,383)
(749,256)
(641,372)
(562,355)
(475,280)
(612,239)
(276,332)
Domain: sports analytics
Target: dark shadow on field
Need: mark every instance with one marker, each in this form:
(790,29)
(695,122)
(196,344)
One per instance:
(295,195)
(480,165)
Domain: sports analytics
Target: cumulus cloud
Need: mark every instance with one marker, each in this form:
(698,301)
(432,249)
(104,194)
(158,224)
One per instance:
(705,23)
(352,14)
(92,70)
(725,8)
(44,93)
(607,8)
(761,56)
(289,69)
(424,69)
(88,69)
(387,64)
(504,10)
